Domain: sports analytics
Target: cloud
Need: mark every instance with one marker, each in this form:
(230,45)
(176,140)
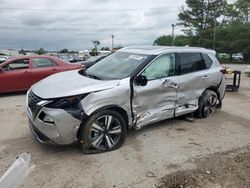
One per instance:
(60,24)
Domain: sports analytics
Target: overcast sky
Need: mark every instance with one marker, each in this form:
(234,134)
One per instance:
(54,25)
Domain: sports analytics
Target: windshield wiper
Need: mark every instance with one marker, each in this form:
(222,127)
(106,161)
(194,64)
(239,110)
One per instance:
(92,76)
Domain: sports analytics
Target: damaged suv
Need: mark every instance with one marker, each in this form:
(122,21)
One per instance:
(131,88)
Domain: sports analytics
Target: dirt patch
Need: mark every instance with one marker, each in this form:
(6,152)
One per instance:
(229,169)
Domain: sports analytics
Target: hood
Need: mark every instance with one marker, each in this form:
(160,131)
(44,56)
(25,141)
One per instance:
(69,83)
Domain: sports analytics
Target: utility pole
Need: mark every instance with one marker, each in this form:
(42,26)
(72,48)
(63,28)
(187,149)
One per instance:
(214,35)
(112,48)
(173,26)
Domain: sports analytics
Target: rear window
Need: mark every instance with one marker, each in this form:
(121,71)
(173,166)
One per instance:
(42,62)
(207,60)
(191,62)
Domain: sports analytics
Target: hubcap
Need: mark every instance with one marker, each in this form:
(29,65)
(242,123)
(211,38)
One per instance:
(210,106)
(105,132)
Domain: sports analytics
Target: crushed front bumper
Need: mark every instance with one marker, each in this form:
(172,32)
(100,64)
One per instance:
(63,130)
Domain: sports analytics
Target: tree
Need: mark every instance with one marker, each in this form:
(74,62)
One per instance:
(65,50)
(199,19)
(180,40)
(40,51)
(96,43)
(22,52)
(243,9)
(165,40)
(234,38)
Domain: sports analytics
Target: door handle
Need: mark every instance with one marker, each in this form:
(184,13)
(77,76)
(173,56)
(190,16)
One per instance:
(173,85)
(205,77)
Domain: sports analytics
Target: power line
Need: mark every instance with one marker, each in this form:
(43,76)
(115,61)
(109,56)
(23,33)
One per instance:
(81,10)
(134,29)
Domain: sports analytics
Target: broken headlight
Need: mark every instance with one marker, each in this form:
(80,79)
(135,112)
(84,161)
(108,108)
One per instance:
(67,102)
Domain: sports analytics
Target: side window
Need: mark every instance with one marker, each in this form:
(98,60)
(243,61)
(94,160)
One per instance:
(191,62)
(207,60)
(17,64)
(163,66)
(42,62)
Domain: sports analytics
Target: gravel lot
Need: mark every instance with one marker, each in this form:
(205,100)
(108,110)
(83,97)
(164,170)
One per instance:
(146,158)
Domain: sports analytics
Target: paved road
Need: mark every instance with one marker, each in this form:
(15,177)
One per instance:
(146,156)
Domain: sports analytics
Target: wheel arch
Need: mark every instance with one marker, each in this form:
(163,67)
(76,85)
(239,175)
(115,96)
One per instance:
(116,108)
(214,89)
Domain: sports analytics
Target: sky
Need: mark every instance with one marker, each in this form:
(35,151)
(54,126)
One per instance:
(74,24)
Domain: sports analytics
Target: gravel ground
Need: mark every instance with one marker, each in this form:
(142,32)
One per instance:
(149,156)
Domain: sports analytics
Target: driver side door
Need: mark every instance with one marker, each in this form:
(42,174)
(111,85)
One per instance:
(157,99)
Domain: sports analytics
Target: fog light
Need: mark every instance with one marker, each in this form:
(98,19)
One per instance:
(48,119)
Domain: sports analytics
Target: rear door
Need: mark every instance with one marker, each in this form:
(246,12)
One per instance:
(195,76)
(156,101)
(15,75)
(43,67)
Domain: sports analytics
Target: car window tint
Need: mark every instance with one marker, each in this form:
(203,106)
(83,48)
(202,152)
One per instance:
(163,66)
(42,62)
(207,60)
(17,64)
(191,62)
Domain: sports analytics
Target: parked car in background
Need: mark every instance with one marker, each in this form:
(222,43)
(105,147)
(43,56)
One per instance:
(91,61)
(19,73)
(238,56)
(3,58)
(131,88)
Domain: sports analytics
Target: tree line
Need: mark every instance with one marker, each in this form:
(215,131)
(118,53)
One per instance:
(214,24)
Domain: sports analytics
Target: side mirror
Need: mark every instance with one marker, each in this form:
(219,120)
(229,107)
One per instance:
(141,80)
(1,70)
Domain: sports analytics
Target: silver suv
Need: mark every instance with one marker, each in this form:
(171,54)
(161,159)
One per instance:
(132,88)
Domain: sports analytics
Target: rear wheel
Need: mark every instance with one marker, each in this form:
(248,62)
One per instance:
(207,104)
(104,131)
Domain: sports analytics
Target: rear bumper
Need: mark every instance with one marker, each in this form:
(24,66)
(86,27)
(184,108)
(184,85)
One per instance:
(222,88)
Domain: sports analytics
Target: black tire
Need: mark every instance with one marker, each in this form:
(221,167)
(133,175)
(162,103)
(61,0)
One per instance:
(207,104)
(96,137)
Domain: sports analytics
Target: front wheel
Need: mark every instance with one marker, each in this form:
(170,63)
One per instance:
(207,104)
(103,131)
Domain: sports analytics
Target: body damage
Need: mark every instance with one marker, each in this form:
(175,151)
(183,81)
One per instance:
(62,132)
(118,96)
(159,99)
(175,96)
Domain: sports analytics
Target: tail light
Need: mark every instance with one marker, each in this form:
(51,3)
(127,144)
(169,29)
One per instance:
(223,70)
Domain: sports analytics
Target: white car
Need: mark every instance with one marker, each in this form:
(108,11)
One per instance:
(238,56)
(3,58)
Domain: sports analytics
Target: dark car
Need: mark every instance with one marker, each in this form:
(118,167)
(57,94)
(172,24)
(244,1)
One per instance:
(91,61)
(18,74)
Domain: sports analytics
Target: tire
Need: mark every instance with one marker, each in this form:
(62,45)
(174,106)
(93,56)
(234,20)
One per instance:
(207,104)
(103,131)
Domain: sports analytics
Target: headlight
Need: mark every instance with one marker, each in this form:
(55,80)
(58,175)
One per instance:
(67,102)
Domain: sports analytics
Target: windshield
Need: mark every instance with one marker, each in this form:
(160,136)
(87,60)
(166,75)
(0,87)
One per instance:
(116,66)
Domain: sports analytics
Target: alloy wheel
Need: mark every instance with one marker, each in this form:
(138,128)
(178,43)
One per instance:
(105,132)
(210,106)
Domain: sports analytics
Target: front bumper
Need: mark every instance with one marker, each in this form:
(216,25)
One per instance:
(63,131)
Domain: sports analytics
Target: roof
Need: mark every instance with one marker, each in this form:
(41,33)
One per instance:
(157,50)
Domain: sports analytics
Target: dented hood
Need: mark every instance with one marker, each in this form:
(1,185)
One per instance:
(69,83)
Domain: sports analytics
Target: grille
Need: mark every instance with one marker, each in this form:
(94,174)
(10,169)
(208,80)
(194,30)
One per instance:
(32,102)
